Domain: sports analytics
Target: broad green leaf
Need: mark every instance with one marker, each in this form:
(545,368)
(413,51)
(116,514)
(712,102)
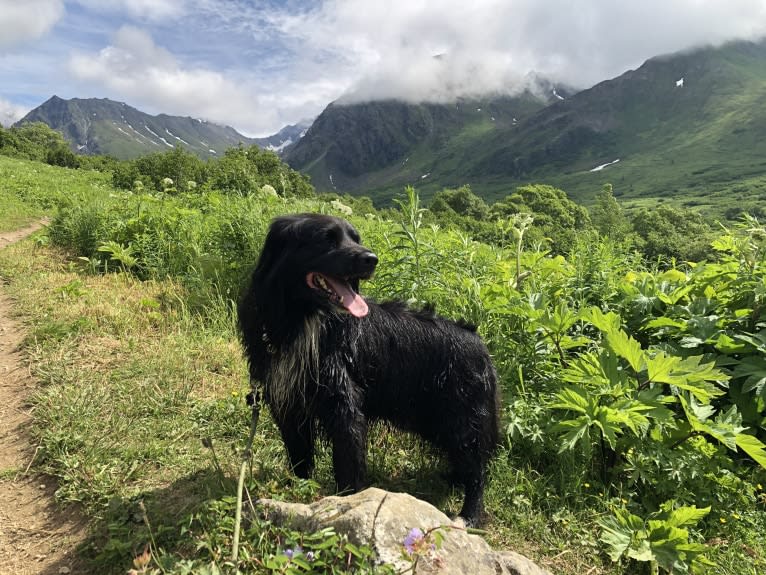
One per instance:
(631,413)
(672,275)
(757,340)
(660,366)
(701,412)
(573,398)
(726,344)
(607,423)
(753,447)
(665,322)
(616,536)
(576,429)
(754,369)
(675,296)
(665,541)
(687,516)
(627,348)
(642,553)
(604,322)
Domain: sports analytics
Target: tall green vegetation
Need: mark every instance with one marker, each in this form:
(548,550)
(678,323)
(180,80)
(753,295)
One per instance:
(36,141)
(634,388)
(240,171)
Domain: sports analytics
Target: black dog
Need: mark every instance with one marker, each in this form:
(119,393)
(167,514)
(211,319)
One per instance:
(330,362)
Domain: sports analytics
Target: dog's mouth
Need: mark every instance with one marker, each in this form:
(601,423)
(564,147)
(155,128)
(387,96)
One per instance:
(339,292)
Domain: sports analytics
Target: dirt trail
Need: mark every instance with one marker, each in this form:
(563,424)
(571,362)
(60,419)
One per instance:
(36,537)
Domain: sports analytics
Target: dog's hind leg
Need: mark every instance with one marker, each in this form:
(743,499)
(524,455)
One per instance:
(298,435)
(468,468)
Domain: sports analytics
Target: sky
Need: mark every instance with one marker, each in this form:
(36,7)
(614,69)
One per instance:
(259,65)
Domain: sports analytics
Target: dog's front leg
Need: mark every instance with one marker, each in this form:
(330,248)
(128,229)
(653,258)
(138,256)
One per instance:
(349,457)
(298,435)
(347,430)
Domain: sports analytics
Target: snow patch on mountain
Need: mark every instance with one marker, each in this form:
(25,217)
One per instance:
(171,134)
(602,166)
(280,147)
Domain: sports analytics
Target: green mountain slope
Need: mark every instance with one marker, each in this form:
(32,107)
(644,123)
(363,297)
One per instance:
(688,127)
(385,145)
(103,126)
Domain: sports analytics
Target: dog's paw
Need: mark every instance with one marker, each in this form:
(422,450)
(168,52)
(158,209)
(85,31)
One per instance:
(459,522)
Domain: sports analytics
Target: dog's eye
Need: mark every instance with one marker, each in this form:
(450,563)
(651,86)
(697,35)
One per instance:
(333,236)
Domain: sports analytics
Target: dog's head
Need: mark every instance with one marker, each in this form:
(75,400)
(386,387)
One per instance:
(317,258)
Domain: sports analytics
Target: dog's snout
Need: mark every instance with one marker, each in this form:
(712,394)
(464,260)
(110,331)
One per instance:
(369,259)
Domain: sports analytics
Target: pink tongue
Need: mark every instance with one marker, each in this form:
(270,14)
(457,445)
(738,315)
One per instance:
(352,301)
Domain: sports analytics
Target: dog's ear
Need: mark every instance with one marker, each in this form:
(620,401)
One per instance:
(274,246)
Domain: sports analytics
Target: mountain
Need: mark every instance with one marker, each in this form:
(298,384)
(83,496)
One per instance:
(103,126)
(287,136)
(388,144)
(689,127)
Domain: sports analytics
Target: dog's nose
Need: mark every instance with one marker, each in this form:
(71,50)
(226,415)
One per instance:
(369,259)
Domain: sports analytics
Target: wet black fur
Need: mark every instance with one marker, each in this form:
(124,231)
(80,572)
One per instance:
(418,371)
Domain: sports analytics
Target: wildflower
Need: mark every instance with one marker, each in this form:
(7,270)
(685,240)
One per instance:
(310,556)
(292,552)
(413,539)
(722,519)
(586,485)
(759,487)
(736,516)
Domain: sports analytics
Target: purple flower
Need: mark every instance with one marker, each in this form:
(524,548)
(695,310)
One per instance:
(414,537)
(310,556)
(292,552)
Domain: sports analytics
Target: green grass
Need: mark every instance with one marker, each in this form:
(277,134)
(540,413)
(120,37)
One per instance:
(140,377)
(29,189)
(131,386)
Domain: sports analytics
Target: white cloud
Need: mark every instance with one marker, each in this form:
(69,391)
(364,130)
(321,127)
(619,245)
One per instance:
(148,76)
(491,45)
(267,64)
(24,21)
(10,112)
(143,9)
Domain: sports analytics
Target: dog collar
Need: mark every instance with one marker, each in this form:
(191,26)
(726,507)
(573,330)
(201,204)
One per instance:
(270,348)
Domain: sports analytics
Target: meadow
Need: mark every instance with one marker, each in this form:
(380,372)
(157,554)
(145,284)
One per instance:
(634,412)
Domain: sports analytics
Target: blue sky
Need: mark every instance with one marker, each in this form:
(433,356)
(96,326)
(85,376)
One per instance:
(258,65)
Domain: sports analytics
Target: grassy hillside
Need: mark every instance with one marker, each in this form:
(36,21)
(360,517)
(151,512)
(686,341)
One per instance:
(697,143)
(686,128)
(32,189)
(633,399)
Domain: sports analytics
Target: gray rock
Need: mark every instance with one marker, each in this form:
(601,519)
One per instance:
(382,520)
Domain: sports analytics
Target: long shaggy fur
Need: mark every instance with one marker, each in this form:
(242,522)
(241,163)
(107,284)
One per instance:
(330,363)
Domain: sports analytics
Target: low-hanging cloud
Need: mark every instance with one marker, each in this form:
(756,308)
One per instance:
(491,46)
(296,57)
(10,112)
